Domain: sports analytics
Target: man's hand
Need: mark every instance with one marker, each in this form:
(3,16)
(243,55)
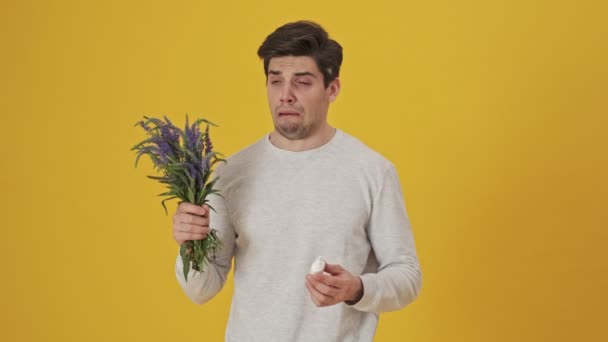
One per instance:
(190,222)
(339,286)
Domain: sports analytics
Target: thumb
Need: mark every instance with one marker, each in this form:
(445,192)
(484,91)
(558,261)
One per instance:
(333,269)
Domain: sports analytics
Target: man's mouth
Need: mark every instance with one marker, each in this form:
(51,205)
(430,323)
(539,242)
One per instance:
(288,113)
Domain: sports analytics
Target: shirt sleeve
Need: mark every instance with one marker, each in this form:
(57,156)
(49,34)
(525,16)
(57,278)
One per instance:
(398,279)
(202,286)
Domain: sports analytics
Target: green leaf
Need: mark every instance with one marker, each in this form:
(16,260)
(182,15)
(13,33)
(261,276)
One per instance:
(200,198)
(185,259)
(193,156)
(155,121)
(136,146)
(163,179)
(163,203)
(217,193)
(201,120)
(192,186)
(190,195)
(210,185)
(181,177)
(139,154)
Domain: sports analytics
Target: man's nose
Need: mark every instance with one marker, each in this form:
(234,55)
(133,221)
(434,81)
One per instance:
(287,94)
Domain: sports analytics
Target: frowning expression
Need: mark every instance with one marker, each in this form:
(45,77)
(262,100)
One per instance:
(297,96)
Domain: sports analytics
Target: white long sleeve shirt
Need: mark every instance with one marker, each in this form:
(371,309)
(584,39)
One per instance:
(280,211)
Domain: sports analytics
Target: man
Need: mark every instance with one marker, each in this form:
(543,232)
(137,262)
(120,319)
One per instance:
(305,190)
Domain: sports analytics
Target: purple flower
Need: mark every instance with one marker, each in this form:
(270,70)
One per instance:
(143,125)
(169,134)
(164,151)
(169,123)
(191,170)
(205,163)
(208,144)
(191,139)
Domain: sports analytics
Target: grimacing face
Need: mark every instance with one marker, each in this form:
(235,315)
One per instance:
(297,96)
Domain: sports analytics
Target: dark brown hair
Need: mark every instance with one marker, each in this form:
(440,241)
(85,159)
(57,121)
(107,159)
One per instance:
(304,38)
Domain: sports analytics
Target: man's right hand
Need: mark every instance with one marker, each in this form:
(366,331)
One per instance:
(190,222)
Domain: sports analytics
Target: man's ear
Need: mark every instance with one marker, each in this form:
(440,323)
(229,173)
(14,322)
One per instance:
(333,89)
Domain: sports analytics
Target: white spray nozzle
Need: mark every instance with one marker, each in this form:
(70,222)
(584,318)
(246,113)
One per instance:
(318,266)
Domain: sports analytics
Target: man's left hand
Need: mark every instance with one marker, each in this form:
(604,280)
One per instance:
(339,286)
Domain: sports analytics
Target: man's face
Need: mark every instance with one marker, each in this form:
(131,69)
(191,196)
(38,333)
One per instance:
(297,96)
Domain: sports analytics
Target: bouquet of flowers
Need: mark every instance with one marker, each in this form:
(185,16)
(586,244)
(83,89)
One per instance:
(185,160)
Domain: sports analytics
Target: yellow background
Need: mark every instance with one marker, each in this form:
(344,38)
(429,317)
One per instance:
(494,112)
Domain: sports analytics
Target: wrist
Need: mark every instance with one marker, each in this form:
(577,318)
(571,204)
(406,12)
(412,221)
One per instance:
(358,293)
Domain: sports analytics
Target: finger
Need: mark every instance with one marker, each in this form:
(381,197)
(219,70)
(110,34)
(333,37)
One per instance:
(190,219)
(311,293)
(327,290)
(192,229)
(318,298)
(190,208)
(334,269)
(181,236)
(333,281)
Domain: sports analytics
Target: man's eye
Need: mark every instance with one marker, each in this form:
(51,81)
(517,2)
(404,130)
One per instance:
(304,83)
(275,82)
